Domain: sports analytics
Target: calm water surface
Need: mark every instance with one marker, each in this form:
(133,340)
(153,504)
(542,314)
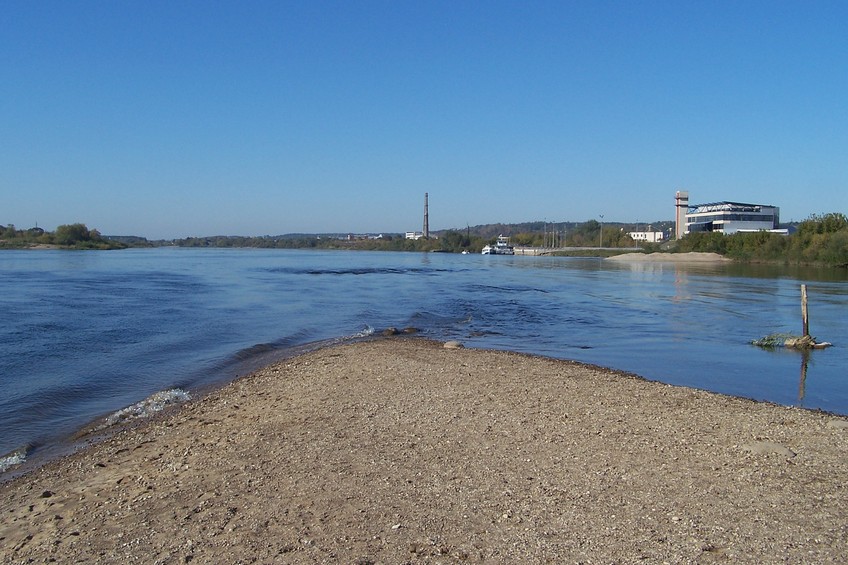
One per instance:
(85,334)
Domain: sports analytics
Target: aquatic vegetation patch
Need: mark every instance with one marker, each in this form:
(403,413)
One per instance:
(773,340)
(789,340)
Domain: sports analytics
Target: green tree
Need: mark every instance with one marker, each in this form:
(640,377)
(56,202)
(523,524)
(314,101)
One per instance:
(835,251)
(453,241)
(72,234)
(703,242)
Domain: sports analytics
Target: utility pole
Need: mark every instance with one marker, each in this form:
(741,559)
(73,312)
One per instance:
(601,241)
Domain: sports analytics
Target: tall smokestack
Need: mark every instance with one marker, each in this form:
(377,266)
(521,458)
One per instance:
(426,217)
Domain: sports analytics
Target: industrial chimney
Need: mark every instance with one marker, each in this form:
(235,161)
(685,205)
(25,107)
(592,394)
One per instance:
(426,218)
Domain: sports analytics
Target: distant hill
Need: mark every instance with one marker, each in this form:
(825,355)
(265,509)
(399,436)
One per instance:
(130,240)
(483,232)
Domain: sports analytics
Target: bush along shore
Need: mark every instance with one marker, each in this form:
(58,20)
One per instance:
(71,236)
(819,240)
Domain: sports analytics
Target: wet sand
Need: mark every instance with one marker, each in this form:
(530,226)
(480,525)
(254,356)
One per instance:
(400,450)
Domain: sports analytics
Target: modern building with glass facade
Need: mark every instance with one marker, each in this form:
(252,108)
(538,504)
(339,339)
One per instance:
(731,217)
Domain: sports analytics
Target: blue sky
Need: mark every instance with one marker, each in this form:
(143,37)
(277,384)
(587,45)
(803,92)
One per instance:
(179,118)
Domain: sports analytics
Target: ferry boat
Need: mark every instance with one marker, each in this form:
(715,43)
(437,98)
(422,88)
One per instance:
(501,247)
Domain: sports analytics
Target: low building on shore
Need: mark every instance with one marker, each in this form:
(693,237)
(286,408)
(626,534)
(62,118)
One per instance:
(647,236)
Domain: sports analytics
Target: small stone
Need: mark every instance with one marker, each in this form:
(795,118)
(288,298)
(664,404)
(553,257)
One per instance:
(453,345)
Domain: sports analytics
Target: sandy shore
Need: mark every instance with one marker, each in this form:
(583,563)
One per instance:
(691,257)
(403,451)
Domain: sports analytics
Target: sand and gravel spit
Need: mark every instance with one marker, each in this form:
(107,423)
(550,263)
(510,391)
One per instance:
(690,257)
(400,450)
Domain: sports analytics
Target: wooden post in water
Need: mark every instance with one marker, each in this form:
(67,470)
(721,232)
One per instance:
(804,317)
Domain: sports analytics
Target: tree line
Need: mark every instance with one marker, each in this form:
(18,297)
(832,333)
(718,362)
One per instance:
(818,240)
(71,236)
(472,239)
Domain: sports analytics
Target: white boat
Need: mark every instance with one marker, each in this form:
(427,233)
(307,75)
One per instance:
(501,247)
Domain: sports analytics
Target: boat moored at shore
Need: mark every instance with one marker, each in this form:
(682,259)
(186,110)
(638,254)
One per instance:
(501,247)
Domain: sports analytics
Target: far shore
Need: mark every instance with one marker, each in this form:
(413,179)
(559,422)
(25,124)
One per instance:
(404,450)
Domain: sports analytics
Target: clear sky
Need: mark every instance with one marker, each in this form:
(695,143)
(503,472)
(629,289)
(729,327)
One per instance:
(176,118)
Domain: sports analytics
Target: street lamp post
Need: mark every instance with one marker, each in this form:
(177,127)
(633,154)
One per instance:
(601,240)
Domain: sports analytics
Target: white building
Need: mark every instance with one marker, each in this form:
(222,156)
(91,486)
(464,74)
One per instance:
(732,217)
(647,236)
(414,235)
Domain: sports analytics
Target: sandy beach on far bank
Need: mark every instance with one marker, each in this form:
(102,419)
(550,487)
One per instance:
(690,257)
(400,450)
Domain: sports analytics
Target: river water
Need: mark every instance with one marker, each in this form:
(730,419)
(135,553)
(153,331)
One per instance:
(87,333)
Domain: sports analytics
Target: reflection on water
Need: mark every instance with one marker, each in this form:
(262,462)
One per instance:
(802,385)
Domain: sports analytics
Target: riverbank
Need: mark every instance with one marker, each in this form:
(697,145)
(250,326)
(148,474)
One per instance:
(401,450)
